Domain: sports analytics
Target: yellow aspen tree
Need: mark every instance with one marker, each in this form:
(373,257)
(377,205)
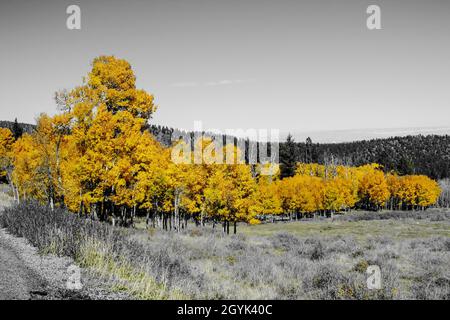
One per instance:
(151,179)
(188,181)
(229,192)
(6,144)
(428,191)
(285,193)
(333,198)
(266,199)
(27,175)
(109,115)
(178,179)
(417,191)
(394,184)
(6,158)
(374,191)
(49,141)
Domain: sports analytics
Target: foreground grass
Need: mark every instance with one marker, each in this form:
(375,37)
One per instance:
(320,259)
(128,277)
(110,252)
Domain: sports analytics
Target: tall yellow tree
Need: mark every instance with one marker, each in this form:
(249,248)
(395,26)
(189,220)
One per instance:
(230,190)
(108,118)
(417,192)
(266,200)
(49,140)
(6,157)
(374,190)
(25,176)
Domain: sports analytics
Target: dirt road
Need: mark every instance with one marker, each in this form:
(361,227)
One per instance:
(26,274)
(17,281)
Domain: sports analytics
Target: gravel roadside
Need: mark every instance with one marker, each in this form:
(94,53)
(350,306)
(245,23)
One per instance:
(25,274)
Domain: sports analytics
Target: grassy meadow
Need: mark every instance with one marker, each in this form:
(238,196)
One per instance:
(397,229)
(313,259)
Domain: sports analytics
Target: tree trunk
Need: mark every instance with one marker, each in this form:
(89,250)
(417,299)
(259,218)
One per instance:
(133,215)
(17,195)
(202,218)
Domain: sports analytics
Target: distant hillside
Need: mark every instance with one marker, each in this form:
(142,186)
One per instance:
(418,154)
(349,135)
(429,155)
(26,127)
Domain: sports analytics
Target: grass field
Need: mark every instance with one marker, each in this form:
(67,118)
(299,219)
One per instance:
(322,259)
(360,230)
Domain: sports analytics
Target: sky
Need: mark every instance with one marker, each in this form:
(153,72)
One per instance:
(297,66)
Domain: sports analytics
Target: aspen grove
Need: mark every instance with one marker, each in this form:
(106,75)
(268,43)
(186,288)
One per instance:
(97,158)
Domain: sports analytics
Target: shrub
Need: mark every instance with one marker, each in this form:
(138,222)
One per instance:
(106,249)
(209,265)
(285,241)
(395,215)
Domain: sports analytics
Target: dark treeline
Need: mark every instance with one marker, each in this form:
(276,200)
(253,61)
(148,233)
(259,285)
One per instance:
(17,128)
(428,155)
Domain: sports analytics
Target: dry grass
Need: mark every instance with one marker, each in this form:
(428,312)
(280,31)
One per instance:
(395,228)
(6,198)
(298,260)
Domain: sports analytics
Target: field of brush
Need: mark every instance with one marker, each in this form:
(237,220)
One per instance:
(311,259)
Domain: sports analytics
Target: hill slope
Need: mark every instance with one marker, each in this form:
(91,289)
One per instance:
(418,154)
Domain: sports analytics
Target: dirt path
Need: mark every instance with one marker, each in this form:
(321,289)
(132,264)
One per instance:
(26,274)
(16,280)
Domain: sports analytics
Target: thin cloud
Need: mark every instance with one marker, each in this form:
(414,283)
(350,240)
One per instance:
(227,82)
(210,83)
(185,84)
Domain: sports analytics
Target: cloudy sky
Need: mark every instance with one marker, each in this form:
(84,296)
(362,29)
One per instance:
(287,64)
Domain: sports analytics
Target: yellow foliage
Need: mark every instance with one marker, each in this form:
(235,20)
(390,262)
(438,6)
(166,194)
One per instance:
(374,188)
(254,221)
(98,157)
(6,144)
(414,190)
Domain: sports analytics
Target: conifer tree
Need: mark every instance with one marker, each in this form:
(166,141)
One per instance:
(287,158)
(17,130)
